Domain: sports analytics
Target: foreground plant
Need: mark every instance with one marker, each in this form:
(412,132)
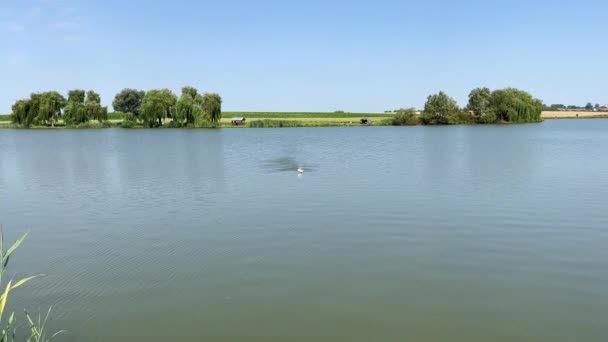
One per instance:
(8,328)
(38,333)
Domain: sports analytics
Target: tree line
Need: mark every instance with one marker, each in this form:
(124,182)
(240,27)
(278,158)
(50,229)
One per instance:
(150,109)
(194,109)
(507,105)
(588,107)
(47,108)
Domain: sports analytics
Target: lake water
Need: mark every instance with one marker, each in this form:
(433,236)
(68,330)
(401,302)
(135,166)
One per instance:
(468,233)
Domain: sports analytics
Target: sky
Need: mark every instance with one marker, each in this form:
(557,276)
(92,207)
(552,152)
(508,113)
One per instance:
(279,55)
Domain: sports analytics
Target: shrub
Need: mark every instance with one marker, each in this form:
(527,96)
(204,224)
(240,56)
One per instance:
(91,124)
(201,121)
(173,124)
(405,117)
(129,121)
(462,117)
(106,124)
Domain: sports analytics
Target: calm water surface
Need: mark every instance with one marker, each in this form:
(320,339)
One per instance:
(488,233)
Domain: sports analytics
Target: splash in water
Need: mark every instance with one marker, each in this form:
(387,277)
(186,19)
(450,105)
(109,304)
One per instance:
(287,164)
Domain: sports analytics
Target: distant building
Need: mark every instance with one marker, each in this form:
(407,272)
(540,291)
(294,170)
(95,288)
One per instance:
(238,121)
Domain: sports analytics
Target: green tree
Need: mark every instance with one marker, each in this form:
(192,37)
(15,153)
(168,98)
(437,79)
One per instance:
(597,106)
(82,108)
(189,106)
(589,106)
(40,108)
(93,107)
(75,111)
(479,104)
(76,96)
(21,113)
(129,101)
(439,109)
(190,91)
(49,107)
(157,105)
(557,106)
(212,108)
(514,105)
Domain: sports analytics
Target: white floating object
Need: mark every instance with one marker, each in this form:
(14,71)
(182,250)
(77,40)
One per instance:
(300,170)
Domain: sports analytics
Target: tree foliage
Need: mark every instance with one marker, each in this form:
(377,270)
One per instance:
(93,107)
(514,105)
(485,106)
(212,108)
(557,106)
(41,108)
(479,104)
(189,107)
(76,96)
(75,112)
(439,109)
(50,106)
(82,108)
(21,113)
(157,105)
(129,101)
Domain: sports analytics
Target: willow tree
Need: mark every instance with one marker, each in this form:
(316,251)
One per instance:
(50,104)
(75,112)
(212,108)
(439,109)
(93,107)
(81,108)
(188,107)
(40,108)
(156,106)
(514,105)
(21,113)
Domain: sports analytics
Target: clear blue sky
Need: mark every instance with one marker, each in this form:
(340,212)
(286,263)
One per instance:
(306,55)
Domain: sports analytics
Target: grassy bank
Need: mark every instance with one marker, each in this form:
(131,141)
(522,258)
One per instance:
(286,119)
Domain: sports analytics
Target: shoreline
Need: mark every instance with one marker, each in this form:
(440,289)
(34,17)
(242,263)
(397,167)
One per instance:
(298,119)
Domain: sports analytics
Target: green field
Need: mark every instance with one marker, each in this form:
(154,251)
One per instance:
(306,119)
(300,115)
